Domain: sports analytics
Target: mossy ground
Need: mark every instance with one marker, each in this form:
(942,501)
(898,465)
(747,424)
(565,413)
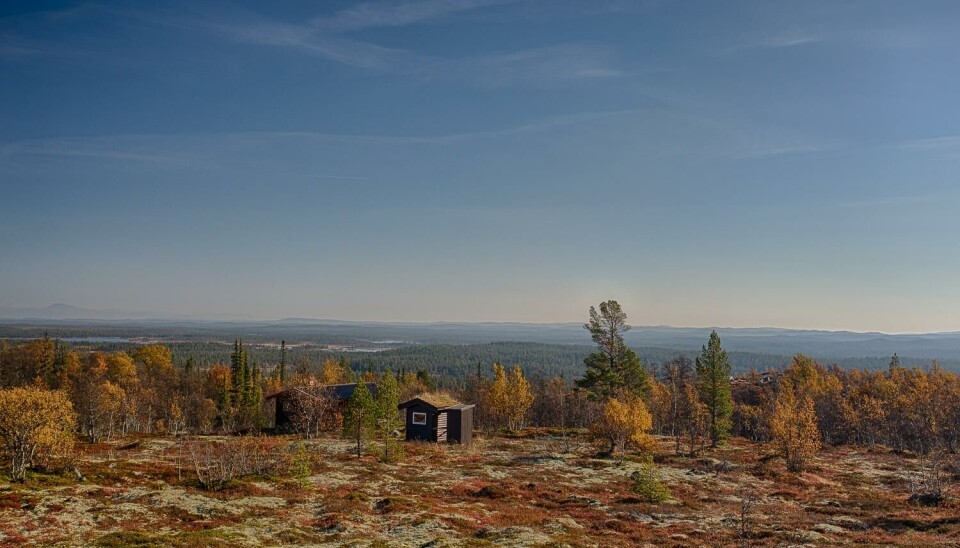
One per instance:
(501,491)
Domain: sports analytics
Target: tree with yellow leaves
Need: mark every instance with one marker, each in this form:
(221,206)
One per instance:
(520,399)
(624,424)
(498,397)
(509,398)
(34,424)
(410,385)
(794,428)
(97,395)
(333,371)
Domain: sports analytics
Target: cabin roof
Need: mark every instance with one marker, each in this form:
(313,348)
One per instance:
(337,391)
(437,400)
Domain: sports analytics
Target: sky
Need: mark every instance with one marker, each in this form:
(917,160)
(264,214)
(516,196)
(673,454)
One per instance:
(729,164)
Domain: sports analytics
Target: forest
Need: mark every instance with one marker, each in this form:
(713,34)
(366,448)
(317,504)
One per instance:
(633,415)
(205,387)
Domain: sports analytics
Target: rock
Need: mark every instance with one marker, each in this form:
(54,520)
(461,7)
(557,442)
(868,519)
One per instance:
(810,536)
(849,522)
(512,536)
(724,466)
(559,525)
(489,491)
(828,528)
(587,500)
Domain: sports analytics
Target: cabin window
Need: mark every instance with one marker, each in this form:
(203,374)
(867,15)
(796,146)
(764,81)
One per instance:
(419,418)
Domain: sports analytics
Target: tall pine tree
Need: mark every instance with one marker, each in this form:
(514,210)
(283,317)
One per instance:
(388,416)
(360,419)
(614,365)
(238,373)
(713,378)
(282,368)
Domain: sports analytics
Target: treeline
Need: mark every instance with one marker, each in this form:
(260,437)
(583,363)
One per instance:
(116,393)
(451,364)
(142,390)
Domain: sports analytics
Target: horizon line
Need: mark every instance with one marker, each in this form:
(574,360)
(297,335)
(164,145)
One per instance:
(151,317)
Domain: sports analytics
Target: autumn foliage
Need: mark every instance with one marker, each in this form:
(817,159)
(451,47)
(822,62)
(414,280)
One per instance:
(624,424)
(36,425)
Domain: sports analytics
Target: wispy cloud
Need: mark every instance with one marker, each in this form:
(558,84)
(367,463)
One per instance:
(934,143)
(947,146)
(123,148)
(10,50)
(785,39)
(309,41)
(532,66)
(399,14)
(889,201)
(16,48)
(329,39)
(561,62)
(761,150)
(209,149)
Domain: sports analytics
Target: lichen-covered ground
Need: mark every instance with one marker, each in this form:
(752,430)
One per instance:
(498,492)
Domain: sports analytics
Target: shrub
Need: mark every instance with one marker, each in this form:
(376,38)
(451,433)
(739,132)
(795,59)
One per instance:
(927,484)
(35,427)
(624,424)
(217,463)
(300,466)
(647,484)
(794,429)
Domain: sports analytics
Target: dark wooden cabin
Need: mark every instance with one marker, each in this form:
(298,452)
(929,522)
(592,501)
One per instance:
(284,407)
(438,418)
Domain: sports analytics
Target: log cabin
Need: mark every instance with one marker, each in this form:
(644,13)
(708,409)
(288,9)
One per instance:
(438,418)
(285,408)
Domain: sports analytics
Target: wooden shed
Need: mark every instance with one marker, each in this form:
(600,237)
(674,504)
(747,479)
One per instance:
(438,418)
(285,408)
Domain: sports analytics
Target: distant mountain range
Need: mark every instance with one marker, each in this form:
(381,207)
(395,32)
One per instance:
(824,345)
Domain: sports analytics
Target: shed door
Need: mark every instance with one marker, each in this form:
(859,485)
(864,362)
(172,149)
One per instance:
(442,427)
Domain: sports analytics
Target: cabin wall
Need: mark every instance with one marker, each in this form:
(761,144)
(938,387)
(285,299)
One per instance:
(453,426)
(425,432)
(282,420)
(460,425)
(466,426)
(443,420)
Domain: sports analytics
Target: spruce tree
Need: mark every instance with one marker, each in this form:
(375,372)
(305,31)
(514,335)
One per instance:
(424,377)
(282,368)
(255,396)
(713,378)
(238,373)
(244,376)
(360,419)
(348,374)
(388,416)
(894,363)
(300,466)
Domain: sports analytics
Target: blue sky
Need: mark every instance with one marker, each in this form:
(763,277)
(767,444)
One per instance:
(789,164)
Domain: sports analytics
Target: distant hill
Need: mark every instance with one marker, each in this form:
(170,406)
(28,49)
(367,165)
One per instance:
(69,321)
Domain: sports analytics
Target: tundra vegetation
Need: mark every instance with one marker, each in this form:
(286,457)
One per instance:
(128,448)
